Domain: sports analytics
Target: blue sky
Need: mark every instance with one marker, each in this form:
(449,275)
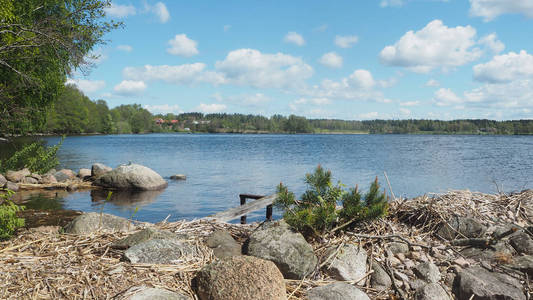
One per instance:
(355,60)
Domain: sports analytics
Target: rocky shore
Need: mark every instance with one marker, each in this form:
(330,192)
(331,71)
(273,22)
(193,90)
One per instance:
(459,245)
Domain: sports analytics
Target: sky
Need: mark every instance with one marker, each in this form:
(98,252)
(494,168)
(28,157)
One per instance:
(352,60)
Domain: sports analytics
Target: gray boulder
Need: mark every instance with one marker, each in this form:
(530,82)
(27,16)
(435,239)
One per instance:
(276,242)
(64,175)
(158,251)
(178,177)
(482,284)
(47,179)
(11,186)
(379,279)
(522,243)
(99,169)
(132,177)
(84,173)
(17,176)
(428,272)
(91,222)
(146,293)
(524,264)
(3,180)
(143,236)
(349,263)
(240,277)
(223,244)
(461,226)
(432,291)
(29,180)
(336,291)
(492,254)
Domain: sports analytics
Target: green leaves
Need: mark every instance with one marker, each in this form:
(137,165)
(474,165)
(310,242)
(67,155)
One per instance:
(35,156)
(9,221)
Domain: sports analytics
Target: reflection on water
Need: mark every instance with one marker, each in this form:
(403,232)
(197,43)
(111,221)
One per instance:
(41,199)
(125,199)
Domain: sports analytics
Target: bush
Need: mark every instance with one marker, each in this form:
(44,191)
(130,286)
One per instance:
(35,156)
(9,221)
(316,211)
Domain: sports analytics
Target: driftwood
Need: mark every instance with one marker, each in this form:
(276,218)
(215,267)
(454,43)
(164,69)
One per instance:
(242,210)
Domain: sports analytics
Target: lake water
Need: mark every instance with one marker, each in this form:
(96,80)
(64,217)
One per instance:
(220,167)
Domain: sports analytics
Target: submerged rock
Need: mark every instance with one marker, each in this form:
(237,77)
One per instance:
(92,222)
(132,177)
(337,291)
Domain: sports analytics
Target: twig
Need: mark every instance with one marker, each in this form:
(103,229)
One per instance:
(390,188)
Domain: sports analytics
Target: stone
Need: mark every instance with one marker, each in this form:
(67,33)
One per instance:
(522,243)
(398,247)
(132,177)
(146,293)
(524,264)
(337,291)
(17,176)
(143,236)
(379,279)
(159,251)
(482,284)
(91,222)
(289,250)
(29,180)
(84,173)
(72,187)
(417,284)
(99,169)
(223,244)
(240,277)
(50,172)
(461,262)
(36,176)
(496,252)
(428,272)
(461,226)
(47,179)
(3,180)
(178,177)
(432,291)
(64,175)
(11,186)
(349,262)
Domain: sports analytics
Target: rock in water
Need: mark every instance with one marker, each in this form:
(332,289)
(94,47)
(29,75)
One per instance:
(159,251)
(276,242)
(240,277)
(99,169)
(178,177)
(146,293)
(337,291)
(132,177)
(84,173)
(482,284)
(64,175)
(17,176)
(349,262)
(91,222)
(46,179)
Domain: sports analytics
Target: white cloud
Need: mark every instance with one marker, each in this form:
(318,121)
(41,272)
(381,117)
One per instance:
(252,68)
(446,97)
(120,11)
(505,68)
(432,83)
(125,48)
(405,111)
(409,103)
(313,101)
(346,41)
(435,45)
(130,88)
(161,11)
(181,74)
(491,41)
(183,46)
(331,59)
(87,86)
(211,108)
(387,3)
(294,38)
(227,28)
(369,115)
(490,9)
(164,109)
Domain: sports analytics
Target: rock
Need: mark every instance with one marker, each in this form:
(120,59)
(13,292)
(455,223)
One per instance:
(11,186)
(240,277)
(178,177)
(380,279)
(99,169)
(146,293)
(524,264)
(459,226)
(336,291)
(50,172)
(47,179)
(276,242)
(496,252)
(72,187)
(349,263)
(432,291)
(428,272)
(461,262)
(223,244)
(17,176)
(398,247)
(143,236)
(84,173)
(64,175)
(158,251)
(522,243)
(36,176)
(482,284)
(3,180)
(417,284)
(91,222)
(132,177)
(29,180)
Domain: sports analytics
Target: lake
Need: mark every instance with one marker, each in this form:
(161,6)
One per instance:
(219,167)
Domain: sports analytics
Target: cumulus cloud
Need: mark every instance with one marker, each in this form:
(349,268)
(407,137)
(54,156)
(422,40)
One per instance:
(446,97)
(294,38)
(164,109)
(346,41)
(432,82)
(331,59)
(491,41)
(434,46)
(211,108)
(161,11)
(180,74)
(490,9)
(125,48)
(183,46)
(120,11)
(505,68)
(130,88)
(313,101)
(87,86)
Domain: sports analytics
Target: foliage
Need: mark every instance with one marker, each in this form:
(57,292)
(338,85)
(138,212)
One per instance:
(316,211)
(9,221)
(35,156)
